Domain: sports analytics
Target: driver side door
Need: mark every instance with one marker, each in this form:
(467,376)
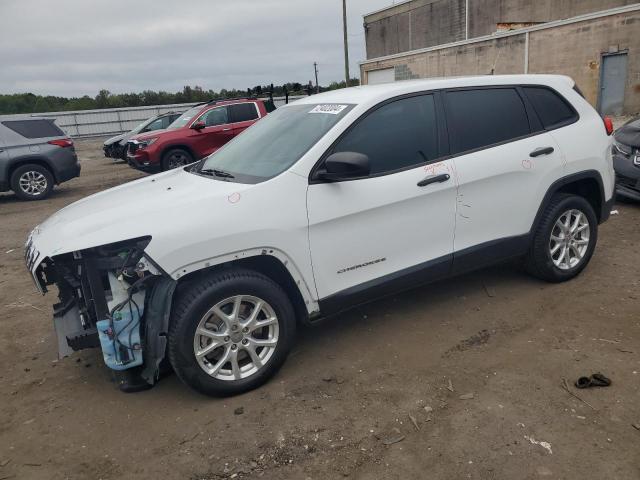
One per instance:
(217,131)
(394,228)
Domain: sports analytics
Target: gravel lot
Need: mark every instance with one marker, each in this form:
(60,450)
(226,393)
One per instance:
(460,379)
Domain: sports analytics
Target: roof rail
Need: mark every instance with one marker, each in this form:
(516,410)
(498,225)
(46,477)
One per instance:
(213,101)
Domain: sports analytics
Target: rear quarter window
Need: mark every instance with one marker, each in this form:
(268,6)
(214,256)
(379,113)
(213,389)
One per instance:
(34,128)
(553,110)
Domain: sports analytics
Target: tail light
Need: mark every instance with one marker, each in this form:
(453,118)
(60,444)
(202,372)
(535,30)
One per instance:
(64,142)
(608,125)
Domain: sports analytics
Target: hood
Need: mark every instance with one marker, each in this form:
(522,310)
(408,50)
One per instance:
(144,136)
(159,205)
(629,133)
(115,139)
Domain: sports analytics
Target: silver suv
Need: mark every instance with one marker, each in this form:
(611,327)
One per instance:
(35,155)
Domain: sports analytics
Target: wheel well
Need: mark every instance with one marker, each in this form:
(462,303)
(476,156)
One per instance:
(183,147)
(589,189)
(267,265)
(27,161)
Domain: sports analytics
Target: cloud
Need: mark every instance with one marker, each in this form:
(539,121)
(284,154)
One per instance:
(77,47)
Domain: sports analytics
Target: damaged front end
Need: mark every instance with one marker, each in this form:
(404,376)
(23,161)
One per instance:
(113,297)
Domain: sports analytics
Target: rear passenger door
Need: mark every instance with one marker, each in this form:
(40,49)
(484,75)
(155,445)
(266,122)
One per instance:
(504,162)
(243,115)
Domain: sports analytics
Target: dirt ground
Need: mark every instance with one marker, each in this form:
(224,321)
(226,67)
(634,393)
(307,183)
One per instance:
(460,379)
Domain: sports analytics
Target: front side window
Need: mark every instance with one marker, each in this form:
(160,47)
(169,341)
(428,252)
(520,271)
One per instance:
(397,135)
(484,117)
(243,112)
(215,116)
(550,107)
(155,125)
(275,143)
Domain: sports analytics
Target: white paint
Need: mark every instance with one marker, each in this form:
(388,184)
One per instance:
(545,445)
(318,230)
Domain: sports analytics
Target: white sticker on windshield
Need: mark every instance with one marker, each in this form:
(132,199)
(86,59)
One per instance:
(331,109)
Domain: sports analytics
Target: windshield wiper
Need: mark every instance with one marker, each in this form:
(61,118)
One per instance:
(216,172)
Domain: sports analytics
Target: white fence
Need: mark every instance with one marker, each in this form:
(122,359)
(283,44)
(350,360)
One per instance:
(111,121)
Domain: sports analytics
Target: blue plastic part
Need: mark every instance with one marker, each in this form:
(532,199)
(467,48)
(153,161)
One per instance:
(121,346)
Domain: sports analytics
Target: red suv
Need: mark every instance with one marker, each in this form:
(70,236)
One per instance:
(195,134)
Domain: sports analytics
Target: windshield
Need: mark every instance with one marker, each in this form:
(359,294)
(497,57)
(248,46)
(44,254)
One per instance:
(273,144)
(185,118)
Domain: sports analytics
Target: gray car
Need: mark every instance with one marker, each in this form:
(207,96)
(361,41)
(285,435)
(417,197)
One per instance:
(35,155)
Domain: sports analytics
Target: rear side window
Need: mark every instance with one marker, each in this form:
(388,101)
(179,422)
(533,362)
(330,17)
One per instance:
(552,109)
(34,128)
(483,117)
(243,112)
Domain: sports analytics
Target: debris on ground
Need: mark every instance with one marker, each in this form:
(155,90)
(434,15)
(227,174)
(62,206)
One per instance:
(545,445)
(394,437)
(415,422)
(615,212)
(636,426)
(450,386)
(466,396)
(565,387)
(238,411)
(489,290)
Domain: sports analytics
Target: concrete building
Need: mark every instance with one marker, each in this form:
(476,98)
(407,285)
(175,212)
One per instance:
(596,42)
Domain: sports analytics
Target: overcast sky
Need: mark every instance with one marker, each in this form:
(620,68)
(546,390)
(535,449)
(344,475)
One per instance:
(77,47)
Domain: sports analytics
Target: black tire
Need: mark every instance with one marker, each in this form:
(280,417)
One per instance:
(40,182)
(175,158)
(539,261)
(192,305)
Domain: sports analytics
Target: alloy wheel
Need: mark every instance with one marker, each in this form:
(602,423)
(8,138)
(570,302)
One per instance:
(569,239)
(177,160)
(236,337)
(33,183)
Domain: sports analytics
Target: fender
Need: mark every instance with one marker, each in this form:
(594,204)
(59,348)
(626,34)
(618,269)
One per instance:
(310,302)
(602,212)
(15,162)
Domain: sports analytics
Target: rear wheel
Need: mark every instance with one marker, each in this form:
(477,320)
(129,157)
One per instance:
(175,158)
(32,182)
(564,240)
(230,332)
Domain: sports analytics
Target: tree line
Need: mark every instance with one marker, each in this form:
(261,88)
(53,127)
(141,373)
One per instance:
(31,103)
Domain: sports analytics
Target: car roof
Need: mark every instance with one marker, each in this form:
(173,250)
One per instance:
(371,93)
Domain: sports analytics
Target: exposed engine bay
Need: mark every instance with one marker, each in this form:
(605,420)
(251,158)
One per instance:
(115,298)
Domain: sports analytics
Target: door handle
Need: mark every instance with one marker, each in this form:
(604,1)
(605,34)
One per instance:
(541,151)
(434,179)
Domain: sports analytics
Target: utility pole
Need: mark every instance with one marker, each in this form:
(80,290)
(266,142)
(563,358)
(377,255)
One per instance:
(346,44)
(315,68)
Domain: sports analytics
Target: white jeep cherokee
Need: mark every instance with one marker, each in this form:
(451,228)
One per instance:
(332,201)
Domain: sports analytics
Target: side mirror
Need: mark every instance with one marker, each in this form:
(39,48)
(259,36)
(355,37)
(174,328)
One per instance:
(198,126)
(344,166)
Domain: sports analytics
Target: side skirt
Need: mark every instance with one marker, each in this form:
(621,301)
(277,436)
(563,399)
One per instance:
(472,258)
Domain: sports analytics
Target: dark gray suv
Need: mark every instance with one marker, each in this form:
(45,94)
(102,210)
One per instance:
(35,155)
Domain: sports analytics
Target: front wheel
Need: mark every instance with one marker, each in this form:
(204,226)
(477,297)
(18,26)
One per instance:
(564,240)
(230,332)
(176,158)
